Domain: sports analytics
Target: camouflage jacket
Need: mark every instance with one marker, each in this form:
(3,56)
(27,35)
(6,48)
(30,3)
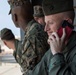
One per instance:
(34,46)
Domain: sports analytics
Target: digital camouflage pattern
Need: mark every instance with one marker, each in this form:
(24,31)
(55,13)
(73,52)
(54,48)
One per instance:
(59,64)
(35,45)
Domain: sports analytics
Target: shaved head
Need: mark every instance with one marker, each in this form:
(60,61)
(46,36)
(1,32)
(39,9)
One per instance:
(21,15)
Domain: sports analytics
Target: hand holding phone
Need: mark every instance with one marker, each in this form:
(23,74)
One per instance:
(68,29)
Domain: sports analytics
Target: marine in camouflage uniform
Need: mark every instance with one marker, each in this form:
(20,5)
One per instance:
(35,43)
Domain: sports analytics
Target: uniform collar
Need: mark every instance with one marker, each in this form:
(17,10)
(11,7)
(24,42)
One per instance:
(29,25)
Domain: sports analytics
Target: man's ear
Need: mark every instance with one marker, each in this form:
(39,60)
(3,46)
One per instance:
(4,42)
(69,20)
(36,18)
(15,17)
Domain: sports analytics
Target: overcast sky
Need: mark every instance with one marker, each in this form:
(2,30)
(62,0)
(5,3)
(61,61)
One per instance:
(5,19)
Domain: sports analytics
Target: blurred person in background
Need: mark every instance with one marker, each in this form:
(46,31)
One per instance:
(39,15)
(9,40)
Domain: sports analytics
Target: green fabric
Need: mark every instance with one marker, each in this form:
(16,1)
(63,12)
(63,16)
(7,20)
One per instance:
(17,53)
(34,44)
(57,6)
(59,64)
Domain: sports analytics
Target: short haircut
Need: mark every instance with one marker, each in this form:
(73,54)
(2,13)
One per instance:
(6,34)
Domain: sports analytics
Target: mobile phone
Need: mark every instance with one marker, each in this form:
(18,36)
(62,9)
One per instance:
(68,29)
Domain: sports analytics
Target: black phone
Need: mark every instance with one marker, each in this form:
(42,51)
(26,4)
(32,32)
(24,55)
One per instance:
(68,29)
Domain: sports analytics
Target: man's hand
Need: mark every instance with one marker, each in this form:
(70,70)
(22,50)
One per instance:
(56,43)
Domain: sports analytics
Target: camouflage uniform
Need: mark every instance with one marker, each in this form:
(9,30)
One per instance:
(17,53)
(34,45)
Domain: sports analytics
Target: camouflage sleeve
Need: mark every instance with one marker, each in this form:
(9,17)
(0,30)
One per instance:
(38,41)
(39,47)
(35,45)
(32,53)
(28,56)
